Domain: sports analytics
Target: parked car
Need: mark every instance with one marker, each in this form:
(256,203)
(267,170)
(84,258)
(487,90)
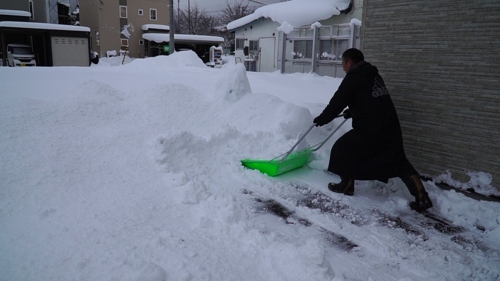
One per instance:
(20,55)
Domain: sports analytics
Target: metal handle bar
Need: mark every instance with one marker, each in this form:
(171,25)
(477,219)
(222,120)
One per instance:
(297,143)
(331,134)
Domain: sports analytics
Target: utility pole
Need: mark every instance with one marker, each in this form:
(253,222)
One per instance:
(189,16)
(171,43)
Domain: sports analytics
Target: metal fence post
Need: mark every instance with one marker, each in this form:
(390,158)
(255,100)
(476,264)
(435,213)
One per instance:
(315,49)
(283,52)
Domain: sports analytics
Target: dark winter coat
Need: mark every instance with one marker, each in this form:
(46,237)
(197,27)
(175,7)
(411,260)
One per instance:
(373,149)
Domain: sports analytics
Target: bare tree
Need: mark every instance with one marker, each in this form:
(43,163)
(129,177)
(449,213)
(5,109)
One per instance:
(234,11)
(195,21)
(231,13)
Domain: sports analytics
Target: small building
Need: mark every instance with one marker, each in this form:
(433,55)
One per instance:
(52,44)
(157,41)
(298,36)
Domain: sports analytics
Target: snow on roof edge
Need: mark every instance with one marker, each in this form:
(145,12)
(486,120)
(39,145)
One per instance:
(40,25)
(165,37)
(15,13)
(146,27)
(295,12)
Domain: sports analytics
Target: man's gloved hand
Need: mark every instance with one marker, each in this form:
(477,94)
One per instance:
(318,122)
(347,114)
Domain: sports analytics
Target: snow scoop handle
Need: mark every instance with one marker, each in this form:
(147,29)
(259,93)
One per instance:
(329,136)
(297,143)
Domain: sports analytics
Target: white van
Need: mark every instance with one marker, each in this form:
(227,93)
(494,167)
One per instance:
(20,55)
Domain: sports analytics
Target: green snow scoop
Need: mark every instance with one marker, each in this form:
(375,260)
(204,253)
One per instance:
(290,161)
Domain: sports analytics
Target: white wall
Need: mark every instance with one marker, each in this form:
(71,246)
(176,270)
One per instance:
(260,29)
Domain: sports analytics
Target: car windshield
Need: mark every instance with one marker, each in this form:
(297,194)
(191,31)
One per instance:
(22,50)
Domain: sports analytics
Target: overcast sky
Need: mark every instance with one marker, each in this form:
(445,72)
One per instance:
(213,6)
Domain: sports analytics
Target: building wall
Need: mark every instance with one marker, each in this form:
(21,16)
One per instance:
(163,18)
(40,11)
(104,17)
(89,17)
(19,5)
(441,63)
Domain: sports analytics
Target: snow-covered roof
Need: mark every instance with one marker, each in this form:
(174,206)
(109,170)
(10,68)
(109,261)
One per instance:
(165,37)
(295,12)
(39,25)
(18,45)
(146,27)
(15,13)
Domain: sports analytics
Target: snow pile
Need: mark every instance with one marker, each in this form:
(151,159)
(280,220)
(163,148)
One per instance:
(181,59)
(233,86)
(285,27)
(133,173)
(480,182)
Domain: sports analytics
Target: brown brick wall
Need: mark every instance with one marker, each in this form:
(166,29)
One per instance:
(441,63)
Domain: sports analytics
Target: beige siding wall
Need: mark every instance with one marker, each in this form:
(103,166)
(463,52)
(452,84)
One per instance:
(104,17)
(441,62)
(109,26)
(163,18)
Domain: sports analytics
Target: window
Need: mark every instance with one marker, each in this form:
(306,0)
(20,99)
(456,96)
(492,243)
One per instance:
(302,49)
(253,46)
(326,51)
(97,38)
(240,43)
(123,12)
(152,14)
(62,14)
(124,42)
(32,11)
(302,32)
(140,12)
(141,42)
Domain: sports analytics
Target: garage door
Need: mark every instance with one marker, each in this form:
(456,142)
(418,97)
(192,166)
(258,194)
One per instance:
(70,51)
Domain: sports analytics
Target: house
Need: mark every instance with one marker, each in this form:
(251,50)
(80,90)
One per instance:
(44,11)
(441,63)
(52,44)
(116,25)
(298,36)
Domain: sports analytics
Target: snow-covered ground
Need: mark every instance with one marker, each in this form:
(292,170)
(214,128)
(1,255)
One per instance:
(132,172)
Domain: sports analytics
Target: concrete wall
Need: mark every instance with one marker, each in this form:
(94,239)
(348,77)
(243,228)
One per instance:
(441,63)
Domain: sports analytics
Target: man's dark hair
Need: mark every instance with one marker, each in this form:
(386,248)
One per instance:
(353,54)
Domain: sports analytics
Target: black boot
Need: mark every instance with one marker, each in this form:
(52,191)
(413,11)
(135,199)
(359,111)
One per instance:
(421,205)
(346,186)
(416,188)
